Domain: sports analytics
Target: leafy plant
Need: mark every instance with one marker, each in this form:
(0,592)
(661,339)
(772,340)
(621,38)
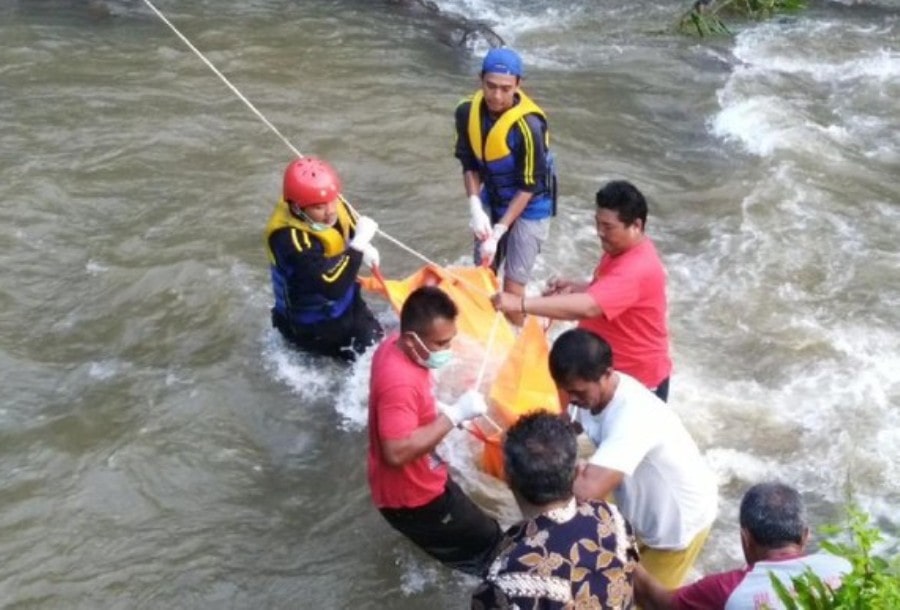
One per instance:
(705,17)
(872,584)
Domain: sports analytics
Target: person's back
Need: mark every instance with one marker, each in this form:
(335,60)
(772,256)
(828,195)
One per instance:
(561,556)
(756,591)
(564,553)
(774,535)
(669,493)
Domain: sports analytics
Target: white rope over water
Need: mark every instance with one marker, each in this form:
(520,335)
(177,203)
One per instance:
(221,76)
(294,149)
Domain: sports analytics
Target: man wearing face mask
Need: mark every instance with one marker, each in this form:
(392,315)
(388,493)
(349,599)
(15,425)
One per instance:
(409,482)
(315,250)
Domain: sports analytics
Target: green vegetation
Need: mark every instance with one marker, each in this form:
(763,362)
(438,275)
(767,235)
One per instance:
(873,583)
(706,17)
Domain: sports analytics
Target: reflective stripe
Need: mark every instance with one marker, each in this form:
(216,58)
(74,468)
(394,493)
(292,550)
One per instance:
(337,270)
(529,151)
(296,242)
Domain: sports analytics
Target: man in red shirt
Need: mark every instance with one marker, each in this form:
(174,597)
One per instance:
(409,482)
(625,301)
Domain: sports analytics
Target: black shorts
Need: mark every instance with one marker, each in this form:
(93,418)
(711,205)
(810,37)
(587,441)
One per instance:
(451,528)
(345,337)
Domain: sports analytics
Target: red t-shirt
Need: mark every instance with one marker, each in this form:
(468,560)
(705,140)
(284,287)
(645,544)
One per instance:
(401,399)
(630,288)
(710,593)
(751,586)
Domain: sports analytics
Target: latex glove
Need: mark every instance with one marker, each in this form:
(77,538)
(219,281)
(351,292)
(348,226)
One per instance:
(370,257)
(469,406)
(480,222)
(364,233)
(489,246)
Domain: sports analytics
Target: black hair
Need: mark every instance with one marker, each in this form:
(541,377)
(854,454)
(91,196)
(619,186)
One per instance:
(625,199)
(539,455)
(579,354)
(423,306)
(774,515)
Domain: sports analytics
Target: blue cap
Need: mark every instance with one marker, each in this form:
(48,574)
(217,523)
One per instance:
(502,61)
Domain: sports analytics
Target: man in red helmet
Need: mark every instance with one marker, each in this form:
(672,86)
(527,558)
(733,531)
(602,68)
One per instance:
(316,247)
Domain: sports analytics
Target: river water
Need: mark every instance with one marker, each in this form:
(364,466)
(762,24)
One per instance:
(159,445)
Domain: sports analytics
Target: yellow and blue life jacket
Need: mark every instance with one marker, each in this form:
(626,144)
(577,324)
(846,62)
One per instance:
(498,164)
(293,302)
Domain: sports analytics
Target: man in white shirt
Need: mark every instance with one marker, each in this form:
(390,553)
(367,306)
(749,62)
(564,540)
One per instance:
(645,457)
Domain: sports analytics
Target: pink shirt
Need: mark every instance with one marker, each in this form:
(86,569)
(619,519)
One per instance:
(630,288)
(401,399)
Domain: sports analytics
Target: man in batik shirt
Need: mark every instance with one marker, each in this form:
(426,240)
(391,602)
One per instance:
(564,554)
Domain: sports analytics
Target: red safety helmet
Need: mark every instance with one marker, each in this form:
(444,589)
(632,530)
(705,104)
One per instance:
(310,181)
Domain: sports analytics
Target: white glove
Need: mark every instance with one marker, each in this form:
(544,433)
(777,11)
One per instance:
(371,258)
(364,233)
(469,406)
(480,222)
(489,246)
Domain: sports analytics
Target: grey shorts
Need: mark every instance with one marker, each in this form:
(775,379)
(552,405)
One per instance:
(519,248)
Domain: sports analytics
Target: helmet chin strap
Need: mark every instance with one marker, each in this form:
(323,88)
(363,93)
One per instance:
(299,213)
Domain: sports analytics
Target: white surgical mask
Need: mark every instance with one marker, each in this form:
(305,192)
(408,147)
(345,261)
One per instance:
(316,226)
(436,359)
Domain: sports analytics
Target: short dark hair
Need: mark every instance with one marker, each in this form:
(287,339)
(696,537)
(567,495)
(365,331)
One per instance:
(423,306)
(773,513)
(539,455)
(625,199)
(579,354)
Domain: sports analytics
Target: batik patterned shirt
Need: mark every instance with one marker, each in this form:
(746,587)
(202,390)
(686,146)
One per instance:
(579,556)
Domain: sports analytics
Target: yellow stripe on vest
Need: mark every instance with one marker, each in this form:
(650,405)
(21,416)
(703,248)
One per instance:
(529,151)
(337,271)
(334,240)
(495,147)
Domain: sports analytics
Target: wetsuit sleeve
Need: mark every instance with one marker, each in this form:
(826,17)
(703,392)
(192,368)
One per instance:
(463,148)
(528,143)
(306,268)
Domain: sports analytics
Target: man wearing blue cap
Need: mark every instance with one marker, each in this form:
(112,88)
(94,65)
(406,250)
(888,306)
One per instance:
(502,143)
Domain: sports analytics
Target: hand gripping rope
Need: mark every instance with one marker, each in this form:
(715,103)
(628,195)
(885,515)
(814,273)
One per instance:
(297,152)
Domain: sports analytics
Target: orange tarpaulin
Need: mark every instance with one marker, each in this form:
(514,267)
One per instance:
(469,287)
(522,382)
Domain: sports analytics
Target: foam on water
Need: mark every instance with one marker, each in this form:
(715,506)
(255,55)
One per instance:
(507,18)
(842,97)
(515,25)
(104,370)
(778,373)
(303,373)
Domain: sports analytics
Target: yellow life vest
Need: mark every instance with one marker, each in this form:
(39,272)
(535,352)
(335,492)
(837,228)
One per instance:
(496,147)
(334,239)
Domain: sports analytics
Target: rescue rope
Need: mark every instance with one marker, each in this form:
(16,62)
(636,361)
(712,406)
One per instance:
(390,238)
(296,151)
(487,353)
(395,241)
